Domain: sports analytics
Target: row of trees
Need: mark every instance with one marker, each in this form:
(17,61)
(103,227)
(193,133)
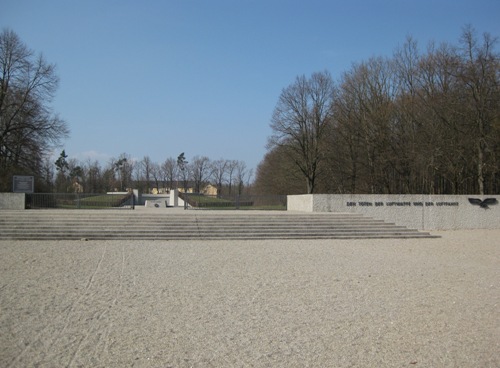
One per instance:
(30,132)
(29,129)
(124,173)
(413,123)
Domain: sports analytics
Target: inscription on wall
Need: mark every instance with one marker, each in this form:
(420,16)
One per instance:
(401,204)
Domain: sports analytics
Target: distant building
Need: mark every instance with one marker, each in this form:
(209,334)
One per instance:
(208,189)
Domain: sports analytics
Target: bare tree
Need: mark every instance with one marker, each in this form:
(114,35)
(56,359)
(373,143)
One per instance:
(299,123)
(201,169)
(219,172)
(108,178)
(29,130)
(276,174)
(169,171)
(243,175)
(231,171)
(406,123)
(345,149)
(156,175)
(479,75)
(48,175)
(93,180)
(146,167)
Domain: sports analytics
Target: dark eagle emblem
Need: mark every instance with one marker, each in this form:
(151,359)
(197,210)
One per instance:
(483,204)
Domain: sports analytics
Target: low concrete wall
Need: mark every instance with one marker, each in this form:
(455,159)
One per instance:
(426,212)
(12,201)
(165,200)
(300,203)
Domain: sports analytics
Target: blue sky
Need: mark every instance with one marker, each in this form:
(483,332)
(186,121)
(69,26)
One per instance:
(159,78)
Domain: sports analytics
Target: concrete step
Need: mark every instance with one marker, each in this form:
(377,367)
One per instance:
(179,225)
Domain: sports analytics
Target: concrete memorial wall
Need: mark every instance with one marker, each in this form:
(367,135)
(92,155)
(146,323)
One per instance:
(12,201)
(426,212)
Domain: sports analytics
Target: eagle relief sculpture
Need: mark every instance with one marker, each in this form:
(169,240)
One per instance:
(485,203)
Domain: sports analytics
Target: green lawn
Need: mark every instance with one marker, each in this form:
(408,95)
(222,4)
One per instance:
(94,202)
(212,202)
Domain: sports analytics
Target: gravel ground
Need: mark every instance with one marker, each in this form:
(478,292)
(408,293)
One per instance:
(323,303)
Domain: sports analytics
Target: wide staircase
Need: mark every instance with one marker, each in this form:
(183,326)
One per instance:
(174,224)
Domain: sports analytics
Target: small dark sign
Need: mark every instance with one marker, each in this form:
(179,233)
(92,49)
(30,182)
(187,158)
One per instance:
(23,184)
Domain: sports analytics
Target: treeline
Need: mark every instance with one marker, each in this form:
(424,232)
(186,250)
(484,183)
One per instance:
(30,131)
(418,122)
(124,173)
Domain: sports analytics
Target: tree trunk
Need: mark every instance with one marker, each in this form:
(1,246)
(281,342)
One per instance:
(480,174)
